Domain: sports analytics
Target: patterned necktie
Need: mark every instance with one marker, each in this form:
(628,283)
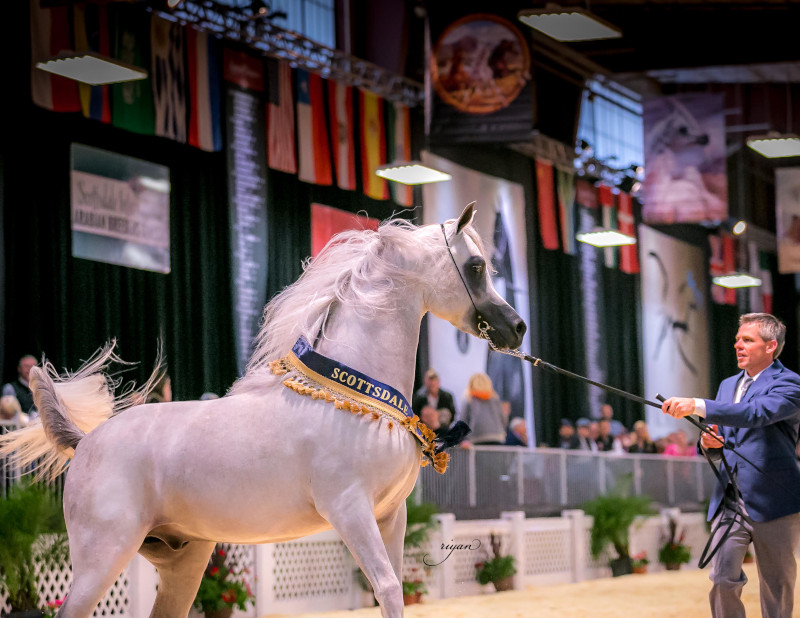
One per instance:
(747,382)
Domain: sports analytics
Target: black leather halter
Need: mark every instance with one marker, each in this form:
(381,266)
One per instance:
(483,325)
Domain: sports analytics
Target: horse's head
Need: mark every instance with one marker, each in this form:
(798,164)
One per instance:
(463,293)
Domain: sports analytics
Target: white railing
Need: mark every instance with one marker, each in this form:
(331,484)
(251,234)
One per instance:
(318,573)
(483,481)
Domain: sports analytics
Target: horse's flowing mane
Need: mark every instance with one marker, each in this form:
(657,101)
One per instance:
(366,270)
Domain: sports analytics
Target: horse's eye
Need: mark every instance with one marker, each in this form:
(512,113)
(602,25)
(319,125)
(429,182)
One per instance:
(478,269)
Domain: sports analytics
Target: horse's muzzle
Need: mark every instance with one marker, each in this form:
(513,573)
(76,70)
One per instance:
(506,327)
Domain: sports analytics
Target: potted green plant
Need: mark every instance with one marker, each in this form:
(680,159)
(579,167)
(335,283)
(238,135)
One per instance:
(32,534)
(222,589)
(673,552)
(499,569)
(413,589)
(613,515)
(640,562)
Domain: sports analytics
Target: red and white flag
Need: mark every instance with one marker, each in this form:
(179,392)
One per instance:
(340,103)
(312,130)
(280,124)
(547,204)
(49,35)
(609,218)
(400,150)
(205,122)
(628,254)
(373,144)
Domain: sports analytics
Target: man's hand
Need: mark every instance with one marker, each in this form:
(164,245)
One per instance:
(709,441)
(678,407)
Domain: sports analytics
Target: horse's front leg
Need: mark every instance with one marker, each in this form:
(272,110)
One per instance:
(350,513)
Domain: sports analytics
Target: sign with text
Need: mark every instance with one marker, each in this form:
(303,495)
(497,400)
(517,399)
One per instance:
(119,209)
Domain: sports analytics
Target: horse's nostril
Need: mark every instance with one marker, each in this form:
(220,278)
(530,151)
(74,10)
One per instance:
(521,328)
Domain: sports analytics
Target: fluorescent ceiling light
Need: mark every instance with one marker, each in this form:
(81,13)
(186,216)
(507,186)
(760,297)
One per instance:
(411,173)
(605,238)
(91,68)
(573,24)
(772,146)
(737,280)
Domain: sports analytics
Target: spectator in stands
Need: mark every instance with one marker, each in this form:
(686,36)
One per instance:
(10,410)
(605,441)
(585,441)
(20,389)
(567,438)
(607,413)
(641,442)
(208,395)
(679,445)
(517,434)
(162,391)
(431,394)
(430,417)
(483,411)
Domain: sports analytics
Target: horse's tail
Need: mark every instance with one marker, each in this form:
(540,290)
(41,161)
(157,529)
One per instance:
(69,406)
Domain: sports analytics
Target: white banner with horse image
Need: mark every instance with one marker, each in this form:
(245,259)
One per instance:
(674,324)
(500,220)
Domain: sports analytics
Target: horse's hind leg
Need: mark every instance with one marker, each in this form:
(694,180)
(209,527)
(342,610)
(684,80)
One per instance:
(353,519)
(180,570)
(97,558)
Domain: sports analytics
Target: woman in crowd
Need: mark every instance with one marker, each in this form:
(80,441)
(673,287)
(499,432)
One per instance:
(483,411)
(641,442)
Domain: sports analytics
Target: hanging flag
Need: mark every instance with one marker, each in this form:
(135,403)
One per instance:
(628,254)
(729,262)
(565,190)
(609,217)
(722,262)
(400,149)
(132,106)
(312,131)
(756,304)
(373,144)
(280,121)
(169,78)
(765,275)
(547,204)
(340,103)
(340,100)
(49,35)
(205,123)
(90,23)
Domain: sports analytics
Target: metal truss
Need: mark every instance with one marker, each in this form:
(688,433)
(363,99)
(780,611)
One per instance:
(250,28)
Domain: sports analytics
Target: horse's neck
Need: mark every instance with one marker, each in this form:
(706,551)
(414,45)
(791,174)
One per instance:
(384,348)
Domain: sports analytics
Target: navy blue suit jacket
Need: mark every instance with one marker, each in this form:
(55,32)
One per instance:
(764,428)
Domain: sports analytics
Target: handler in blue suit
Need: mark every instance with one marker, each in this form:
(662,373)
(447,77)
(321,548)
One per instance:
(757,412)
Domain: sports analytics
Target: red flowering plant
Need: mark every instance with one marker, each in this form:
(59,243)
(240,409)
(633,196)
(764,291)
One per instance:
(222,585)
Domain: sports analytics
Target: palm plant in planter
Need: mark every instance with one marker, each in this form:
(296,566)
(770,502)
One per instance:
(498,569)
(32,533)
(613,514)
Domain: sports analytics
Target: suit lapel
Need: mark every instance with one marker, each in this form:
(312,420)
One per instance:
(764,380)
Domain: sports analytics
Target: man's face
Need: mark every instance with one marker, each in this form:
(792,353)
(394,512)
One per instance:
(604,427)
(25,366)
(432,384)
(753,354)
(566,431)
(607,411)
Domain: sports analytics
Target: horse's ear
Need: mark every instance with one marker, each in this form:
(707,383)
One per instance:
(466,217)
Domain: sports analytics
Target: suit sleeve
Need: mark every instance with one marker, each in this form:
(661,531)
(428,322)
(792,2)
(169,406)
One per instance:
(781,401)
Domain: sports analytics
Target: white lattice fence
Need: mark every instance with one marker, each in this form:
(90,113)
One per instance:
(54,585)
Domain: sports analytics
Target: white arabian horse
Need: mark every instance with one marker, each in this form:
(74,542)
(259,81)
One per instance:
(264,464)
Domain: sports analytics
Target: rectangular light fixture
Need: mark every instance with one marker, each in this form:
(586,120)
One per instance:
(605,238)
(569,24)
(773,146)
(91,68)
(411,173)
(737,280)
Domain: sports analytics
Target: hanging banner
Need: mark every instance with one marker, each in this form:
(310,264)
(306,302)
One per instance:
(787,215)
(327,221)
(685,159)
(674,323)
(247,195)
(478,86)
(500,220)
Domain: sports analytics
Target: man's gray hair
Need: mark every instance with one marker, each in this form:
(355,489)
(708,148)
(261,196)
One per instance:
(769,328)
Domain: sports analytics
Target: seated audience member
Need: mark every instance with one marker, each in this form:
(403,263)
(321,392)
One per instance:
(566,435)
(483,411)
(517,434)
(585,441)
(679,445)
(208,395)
(162,391)
(430,394)
(641,442)
(605,441)
(607,413)
(19,387)
(11,411)
(430,417)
